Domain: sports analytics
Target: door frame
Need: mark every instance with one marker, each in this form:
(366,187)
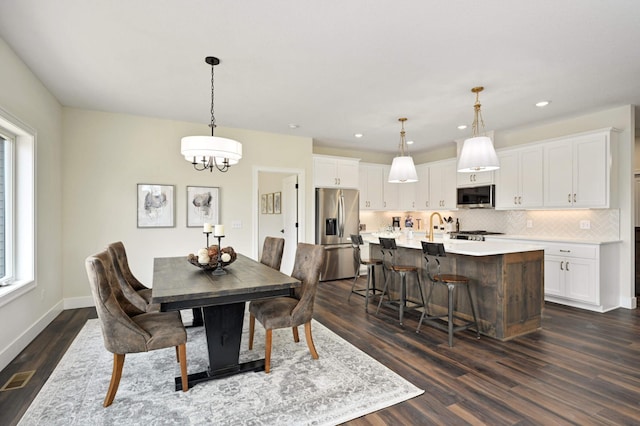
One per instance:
(255,203)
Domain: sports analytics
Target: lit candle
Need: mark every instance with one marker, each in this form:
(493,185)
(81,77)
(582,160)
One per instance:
(208,227)
(218,231)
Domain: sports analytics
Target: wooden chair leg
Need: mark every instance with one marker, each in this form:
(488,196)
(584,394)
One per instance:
(177,354)
(182,355)
(267,351)
(252,327)
(296,337)
(116,374)
(307,333)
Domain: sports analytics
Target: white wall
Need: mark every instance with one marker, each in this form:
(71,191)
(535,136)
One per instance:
(25,97)
(106,155)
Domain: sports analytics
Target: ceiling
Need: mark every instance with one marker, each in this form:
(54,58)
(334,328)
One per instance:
(334,68)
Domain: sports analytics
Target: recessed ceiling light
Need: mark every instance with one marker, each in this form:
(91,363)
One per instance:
(542,104)
(293,126)
(462,127)
(358,135)
(409,142)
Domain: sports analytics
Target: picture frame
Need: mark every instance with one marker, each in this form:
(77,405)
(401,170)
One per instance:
(263,204)
(270,203)
(277,198)
(156,205)
(203,205)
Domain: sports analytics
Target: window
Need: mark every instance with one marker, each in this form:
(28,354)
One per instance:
(17,207)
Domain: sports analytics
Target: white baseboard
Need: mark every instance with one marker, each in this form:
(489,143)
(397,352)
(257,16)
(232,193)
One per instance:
(14,348)
(79,302)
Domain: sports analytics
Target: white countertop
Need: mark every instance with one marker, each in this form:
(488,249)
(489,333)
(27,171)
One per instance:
(469,248)
(550,239)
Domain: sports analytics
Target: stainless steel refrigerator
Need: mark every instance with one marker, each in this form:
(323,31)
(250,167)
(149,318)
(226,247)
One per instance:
(337,217)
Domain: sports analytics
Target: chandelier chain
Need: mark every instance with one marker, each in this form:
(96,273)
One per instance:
(213,117)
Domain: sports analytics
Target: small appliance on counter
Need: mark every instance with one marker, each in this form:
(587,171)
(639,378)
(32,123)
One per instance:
(395,222)
(477,235)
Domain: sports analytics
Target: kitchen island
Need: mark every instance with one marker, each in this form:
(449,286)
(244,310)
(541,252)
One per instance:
(506,281)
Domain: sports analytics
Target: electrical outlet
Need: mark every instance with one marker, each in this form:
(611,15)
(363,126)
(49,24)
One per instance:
(236,224)
(585,224)
(529,223)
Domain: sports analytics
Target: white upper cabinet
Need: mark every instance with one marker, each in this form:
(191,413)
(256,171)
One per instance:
(475,178)
(519,180)
(442,185)
(335,172)
(390,193)
(577,171)
(423,190)
(371,186)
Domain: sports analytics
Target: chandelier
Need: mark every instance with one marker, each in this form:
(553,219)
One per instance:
(402,168)
(207,152)
(478,153)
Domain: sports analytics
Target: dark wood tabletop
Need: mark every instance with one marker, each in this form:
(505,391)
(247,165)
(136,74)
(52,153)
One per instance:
(177,284)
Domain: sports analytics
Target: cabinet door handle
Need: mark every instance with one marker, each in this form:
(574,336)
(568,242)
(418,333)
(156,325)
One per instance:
(426,203)
(565,251)
(384,203)
(519,199)
(567,266)
(561,265)
(569,198)
(574,198)
(515,200)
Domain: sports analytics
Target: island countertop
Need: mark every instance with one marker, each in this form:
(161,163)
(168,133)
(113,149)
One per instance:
(465,247)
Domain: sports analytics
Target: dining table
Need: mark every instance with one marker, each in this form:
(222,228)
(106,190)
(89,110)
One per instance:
(178,284)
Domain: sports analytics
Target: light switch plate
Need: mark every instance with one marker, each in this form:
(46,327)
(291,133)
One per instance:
(236,224)
(585,224)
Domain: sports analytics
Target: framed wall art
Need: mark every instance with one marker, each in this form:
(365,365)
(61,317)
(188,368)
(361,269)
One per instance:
(203,205)
(270,203)
(156,206)
(263,204)
(276,202)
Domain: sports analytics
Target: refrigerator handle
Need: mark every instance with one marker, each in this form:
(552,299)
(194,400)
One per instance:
(341,216)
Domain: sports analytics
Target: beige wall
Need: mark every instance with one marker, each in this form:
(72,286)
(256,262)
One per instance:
(106,155)
(25,97)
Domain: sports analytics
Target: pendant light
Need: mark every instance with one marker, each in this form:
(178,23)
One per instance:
(402,169)
(477,153)
(207,152)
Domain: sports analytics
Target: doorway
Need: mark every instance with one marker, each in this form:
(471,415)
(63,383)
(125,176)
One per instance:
(279,202)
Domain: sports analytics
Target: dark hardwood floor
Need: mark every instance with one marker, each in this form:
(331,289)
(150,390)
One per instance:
(582,368)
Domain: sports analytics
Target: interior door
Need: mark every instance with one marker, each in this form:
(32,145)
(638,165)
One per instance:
(290,220)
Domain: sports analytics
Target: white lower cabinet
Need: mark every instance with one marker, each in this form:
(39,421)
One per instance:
(583,275)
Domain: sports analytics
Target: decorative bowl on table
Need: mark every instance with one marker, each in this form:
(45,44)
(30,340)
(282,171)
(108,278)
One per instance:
(228,257)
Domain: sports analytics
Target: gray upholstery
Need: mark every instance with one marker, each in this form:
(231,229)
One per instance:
(272,250)
(127,329)
(284,312)
(137,293)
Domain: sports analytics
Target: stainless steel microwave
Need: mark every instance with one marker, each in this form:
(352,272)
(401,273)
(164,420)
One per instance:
(477,197)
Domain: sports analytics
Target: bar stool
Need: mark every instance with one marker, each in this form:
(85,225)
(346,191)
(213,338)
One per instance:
(370,290)
(389,257)
(451,281)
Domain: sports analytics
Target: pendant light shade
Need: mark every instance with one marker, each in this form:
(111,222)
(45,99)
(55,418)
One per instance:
(207,152)
(477,153)
(402,168)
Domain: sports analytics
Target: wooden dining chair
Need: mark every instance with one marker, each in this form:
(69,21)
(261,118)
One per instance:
(284,312)
(125,329)
(272,250)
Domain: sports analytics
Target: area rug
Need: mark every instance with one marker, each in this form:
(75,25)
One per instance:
(343,384)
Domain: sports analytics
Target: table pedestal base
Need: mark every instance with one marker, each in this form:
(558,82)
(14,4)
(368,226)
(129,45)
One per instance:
(223,327)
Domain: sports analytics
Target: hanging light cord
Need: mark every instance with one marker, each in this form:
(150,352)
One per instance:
(477,115)
(402,137)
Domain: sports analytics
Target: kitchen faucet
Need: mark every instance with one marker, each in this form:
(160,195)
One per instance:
(430,234)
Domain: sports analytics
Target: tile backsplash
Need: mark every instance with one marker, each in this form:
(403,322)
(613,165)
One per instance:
(603,224)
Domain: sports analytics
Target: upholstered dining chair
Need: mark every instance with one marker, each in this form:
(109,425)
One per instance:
(284,312)
(137,293)
(125,329)
(272,250)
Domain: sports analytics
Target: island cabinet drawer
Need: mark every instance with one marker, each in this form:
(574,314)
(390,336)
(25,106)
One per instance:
(570,250)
